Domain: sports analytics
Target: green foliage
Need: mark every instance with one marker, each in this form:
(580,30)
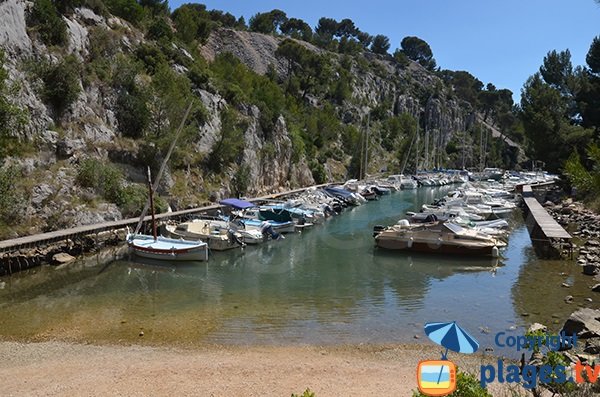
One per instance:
(467,385)
(296,29)
(48,23)
(579,176)
(61,83)
(419,51)
(10,197)
(105,179)
(12,118)
(465,85)
(307,393)
(593,56)
(130,10)
(230,146)
(160,29)
(318,171)
(268,22)
(241,180)
(132,112)
(381,44)
(192,22)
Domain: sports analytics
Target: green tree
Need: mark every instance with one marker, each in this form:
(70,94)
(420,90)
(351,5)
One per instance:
(268,22)
(419,51)
(381,44)
(593,56)
(12,118)
(48,23)
(160,29)
(129,10)
(297,29)
(551,134)
(61,83)
(192,22)
(557,69)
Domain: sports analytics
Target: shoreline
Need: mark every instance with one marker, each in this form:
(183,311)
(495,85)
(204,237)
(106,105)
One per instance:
(61,369)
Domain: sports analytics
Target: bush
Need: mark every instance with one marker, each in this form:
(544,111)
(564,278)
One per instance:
(318,172)
(132,113)
(45,19)
(10,198)
(129,10)
(61,83)
(230,146)
(160,29)
(307,393)
(106,180)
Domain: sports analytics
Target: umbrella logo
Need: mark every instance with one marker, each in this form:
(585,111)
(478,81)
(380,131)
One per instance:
(438,377)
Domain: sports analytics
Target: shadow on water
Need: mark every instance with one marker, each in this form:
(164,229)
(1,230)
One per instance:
(328,284)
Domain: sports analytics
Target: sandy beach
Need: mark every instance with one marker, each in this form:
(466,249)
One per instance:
(66,369)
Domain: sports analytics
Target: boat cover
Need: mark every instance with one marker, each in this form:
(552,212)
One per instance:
(237,203)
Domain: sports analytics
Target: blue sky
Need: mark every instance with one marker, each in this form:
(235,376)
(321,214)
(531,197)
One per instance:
(500,41)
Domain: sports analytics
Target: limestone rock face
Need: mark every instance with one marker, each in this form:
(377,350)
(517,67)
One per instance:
(13,33)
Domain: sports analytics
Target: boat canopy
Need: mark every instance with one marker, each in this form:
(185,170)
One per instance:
(237,203)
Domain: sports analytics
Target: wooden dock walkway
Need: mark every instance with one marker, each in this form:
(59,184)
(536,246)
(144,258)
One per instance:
(90,230)
(545,232)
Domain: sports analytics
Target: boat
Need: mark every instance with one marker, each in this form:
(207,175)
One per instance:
(158,247)
(217,234)
(246,217)
(167,249)
(438,238)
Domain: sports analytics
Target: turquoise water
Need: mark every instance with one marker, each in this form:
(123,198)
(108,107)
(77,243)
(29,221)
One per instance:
(326,285)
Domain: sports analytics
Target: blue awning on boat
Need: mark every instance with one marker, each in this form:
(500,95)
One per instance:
(237,203)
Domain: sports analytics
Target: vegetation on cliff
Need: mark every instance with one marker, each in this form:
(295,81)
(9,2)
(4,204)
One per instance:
(113,90)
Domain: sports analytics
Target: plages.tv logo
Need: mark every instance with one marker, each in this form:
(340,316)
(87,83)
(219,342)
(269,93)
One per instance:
(438,377)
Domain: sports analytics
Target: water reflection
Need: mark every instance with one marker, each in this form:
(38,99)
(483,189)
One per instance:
(325,285)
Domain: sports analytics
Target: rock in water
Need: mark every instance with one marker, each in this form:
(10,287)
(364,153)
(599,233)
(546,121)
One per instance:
(585,323)
(535,327)
(62,258)
(590,270)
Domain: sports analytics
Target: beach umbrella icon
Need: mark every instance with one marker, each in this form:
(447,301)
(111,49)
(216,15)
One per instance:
(452,337)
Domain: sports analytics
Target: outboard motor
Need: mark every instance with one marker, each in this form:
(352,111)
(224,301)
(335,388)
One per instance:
(378,229)
(431,218)
(233,239)
(267,230)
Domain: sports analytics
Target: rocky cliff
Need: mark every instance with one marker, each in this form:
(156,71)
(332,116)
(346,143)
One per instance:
(54,146)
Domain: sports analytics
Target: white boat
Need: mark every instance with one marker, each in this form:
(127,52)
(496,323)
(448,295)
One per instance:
(167,249)
(215,233)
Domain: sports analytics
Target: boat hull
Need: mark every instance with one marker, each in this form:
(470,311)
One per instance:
(436,248)
(165,249)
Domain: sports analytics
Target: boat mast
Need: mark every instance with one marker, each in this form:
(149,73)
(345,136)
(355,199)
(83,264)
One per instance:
(162,169)
(426,151)
(367,144)
(151,196)
(417,151)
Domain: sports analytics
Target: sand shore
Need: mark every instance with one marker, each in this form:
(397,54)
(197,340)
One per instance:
(67,369)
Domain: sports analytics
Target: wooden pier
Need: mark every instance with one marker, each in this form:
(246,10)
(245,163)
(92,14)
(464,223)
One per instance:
(10,248)
(548,237)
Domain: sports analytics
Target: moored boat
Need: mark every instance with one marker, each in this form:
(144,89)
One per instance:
(440,238)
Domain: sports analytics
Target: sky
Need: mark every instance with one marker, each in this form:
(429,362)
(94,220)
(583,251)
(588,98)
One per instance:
(498,41)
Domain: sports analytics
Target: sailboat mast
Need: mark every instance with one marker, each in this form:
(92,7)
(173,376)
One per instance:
(150,192)
(367,145)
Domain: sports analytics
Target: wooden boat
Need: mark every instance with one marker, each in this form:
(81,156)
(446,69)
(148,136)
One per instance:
(167,249)
(215,233)
(158,247)
(438,238)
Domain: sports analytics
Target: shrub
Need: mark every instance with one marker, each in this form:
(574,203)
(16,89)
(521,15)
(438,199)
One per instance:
(318,172)
(45,19)
(106,180)
(10,198)
(61,83)
(132,113)
(129,10)
(241,180)
(230,146)
(160,29)
(307,393)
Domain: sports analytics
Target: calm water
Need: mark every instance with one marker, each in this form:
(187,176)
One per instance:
(325,285)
